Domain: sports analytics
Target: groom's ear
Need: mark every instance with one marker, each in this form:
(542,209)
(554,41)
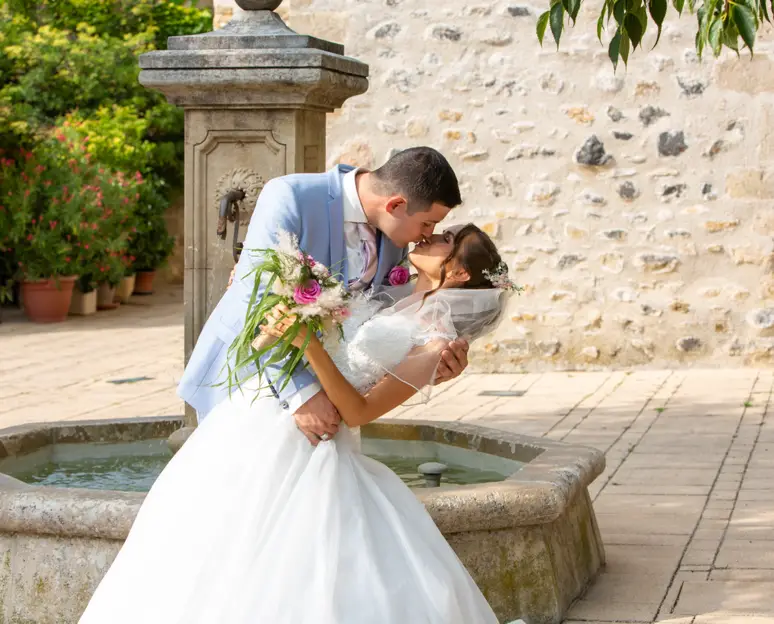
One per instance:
(395,202)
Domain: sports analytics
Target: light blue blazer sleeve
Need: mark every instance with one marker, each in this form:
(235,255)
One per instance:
(278,209)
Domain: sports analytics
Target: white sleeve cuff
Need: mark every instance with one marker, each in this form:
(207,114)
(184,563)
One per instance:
(302,396)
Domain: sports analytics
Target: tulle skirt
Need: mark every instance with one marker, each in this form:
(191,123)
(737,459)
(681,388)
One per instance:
(250,524)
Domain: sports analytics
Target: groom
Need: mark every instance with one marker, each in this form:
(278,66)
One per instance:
(359,223)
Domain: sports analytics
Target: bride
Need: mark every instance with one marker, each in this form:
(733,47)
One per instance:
(250,524)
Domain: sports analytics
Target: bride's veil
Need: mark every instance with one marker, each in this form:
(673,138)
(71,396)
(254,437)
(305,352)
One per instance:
(434,320)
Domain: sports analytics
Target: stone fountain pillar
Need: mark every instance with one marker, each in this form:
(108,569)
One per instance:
(255,95)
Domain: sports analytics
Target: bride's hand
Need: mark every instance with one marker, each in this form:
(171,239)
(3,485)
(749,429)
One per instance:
(279,321)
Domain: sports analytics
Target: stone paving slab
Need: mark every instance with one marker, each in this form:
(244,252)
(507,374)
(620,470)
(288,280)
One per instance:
(685,506)
(63,371)
(749,597)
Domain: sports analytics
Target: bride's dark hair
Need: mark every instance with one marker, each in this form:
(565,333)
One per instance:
(474,252)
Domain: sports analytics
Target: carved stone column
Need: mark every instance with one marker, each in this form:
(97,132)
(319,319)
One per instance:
(255,95)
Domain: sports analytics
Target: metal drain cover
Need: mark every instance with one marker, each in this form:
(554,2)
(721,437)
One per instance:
(503,393)
(129,380)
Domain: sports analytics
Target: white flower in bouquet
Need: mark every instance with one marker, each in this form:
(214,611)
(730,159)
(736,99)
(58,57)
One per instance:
(320,270)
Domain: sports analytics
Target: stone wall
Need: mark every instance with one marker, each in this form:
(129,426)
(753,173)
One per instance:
(635,207)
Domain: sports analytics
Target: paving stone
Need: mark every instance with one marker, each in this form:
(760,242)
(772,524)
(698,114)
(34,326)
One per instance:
(742,575)
(749,553)
(731,618)
(697,598)
(613,612)
(612,588)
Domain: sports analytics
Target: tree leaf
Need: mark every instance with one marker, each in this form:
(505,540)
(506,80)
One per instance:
(556,21)
(699,42)
(745,21)
(600,24)
(572,7)
(678,4)
(633,31)
(731,36)
(624,47)
(712,11)
(541,26)
(642,15)
(707,20)
(715,34)
(700,38)
(658,9)
(619,11)
(613,50)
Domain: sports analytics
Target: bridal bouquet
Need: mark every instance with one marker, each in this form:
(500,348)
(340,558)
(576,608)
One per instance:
(293,278)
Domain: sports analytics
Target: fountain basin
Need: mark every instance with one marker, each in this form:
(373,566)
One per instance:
(530,540)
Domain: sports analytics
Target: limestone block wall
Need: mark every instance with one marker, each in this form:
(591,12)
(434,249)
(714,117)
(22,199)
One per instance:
(634,207)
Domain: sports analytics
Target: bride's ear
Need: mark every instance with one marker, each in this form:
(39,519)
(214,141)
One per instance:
(458,275)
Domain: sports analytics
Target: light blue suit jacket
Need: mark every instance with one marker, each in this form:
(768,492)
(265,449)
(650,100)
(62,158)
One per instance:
(310,206)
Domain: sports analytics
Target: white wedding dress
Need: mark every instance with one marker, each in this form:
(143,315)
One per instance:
(249,524)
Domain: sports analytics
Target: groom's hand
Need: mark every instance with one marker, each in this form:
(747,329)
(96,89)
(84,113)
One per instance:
(316,417)
(454,360)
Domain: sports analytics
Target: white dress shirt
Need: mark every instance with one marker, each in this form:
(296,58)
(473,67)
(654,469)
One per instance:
(353,214)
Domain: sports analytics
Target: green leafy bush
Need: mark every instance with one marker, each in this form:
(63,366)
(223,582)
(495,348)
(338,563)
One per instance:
(67,215)
(69,67)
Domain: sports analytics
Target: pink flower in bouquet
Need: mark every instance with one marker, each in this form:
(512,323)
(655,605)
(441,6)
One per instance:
(306,259)
(308,293)
(339,315)
(399,276)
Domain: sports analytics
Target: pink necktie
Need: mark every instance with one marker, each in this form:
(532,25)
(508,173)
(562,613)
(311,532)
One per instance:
(368,249)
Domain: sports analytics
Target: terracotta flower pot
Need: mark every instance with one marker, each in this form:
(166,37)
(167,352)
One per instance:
(106,297)
(125,289)
(83,304)
(143,283)
(47,301)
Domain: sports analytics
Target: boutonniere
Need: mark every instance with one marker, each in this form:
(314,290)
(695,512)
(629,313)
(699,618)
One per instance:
(399,275)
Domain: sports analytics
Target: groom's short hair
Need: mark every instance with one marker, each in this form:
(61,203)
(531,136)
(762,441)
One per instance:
(423,176)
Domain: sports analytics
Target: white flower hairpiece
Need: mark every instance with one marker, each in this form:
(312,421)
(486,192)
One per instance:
(498,277)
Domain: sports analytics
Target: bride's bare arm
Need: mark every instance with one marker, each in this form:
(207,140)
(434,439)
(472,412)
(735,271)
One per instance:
(388,393)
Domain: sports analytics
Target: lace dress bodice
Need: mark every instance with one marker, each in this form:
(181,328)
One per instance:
(373,344)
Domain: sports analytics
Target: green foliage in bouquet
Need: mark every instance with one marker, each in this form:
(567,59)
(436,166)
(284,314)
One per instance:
(314,296)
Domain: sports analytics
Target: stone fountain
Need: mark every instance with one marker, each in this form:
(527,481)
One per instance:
(530,540)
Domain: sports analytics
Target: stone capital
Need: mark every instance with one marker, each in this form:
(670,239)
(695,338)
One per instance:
(255,61)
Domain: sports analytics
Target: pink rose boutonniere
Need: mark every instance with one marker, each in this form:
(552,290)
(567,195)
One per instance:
(398,276)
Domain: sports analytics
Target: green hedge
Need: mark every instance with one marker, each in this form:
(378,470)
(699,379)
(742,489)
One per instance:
(72,64)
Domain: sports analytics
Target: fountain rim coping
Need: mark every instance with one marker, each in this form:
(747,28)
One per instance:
(539,493)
